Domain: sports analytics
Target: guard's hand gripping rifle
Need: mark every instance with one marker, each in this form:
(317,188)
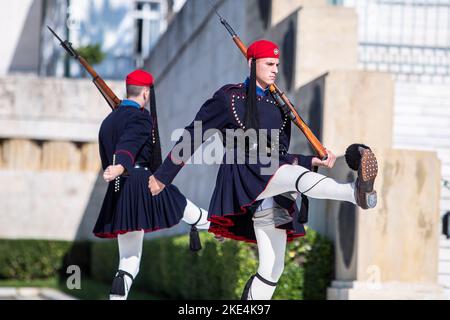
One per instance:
(280,97)
(106,92)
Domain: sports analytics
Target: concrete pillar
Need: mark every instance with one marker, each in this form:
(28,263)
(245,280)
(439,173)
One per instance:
(90,157)
(60,156)
(327,39)
(1,154)
(21,154)
(48,204)
(358,107)
(324,38)
(283,8)
(389,252)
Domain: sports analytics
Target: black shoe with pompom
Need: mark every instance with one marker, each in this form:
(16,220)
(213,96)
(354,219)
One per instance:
(360,158)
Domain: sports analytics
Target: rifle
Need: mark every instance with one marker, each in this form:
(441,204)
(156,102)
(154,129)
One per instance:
(280,97)
(101,85)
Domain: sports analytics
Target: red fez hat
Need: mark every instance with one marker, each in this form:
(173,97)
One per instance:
(263,49)
(140,78)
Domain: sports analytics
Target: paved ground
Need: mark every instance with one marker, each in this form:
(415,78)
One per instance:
(33,294)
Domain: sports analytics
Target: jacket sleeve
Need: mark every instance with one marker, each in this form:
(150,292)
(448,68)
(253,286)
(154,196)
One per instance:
(214,114)
(305,161)
(135,135)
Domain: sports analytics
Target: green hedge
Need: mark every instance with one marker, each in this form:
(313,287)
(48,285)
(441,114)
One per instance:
(40,259)
(169,270)
(219,271)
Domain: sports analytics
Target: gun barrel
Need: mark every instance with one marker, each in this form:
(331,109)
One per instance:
(228,27)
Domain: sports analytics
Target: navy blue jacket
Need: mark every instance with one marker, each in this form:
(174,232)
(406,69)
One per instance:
(218,113)
(238,185)
(126,133)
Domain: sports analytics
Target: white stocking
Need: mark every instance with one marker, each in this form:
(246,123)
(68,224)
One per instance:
(130,253)
(311,184)
(271,250)
(192,214)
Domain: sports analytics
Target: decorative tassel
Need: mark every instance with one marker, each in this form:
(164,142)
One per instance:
(118,286)
(195,244)
(304,207)
(251,113)
(156,159)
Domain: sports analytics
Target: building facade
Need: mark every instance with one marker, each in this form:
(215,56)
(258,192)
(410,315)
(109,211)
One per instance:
(125,30)
(411,40)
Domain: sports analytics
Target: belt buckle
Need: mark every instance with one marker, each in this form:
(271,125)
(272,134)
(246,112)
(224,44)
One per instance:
(140,167)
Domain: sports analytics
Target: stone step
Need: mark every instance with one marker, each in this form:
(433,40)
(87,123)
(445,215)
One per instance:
(444,267)
(432,131)
(413,142)
(444,254)
(8,293)
(444,243)
(444,280)
(411,90)
(446,292)
(33,294)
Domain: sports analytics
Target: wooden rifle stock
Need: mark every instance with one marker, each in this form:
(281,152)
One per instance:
(101,85)
(112,100)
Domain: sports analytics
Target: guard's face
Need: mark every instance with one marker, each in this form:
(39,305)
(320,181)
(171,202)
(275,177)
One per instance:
(267,70)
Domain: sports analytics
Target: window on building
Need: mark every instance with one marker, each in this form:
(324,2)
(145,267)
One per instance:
(148,25)
(409,38)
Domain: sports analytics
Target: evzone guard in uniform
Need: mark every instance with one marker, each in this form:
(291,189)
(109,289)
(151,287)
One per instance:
(250,206)
(130,151)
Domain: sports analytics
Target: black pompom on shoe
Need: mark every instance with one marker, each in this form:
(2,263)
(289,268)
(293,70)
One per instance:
(118,285)
(353,155)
